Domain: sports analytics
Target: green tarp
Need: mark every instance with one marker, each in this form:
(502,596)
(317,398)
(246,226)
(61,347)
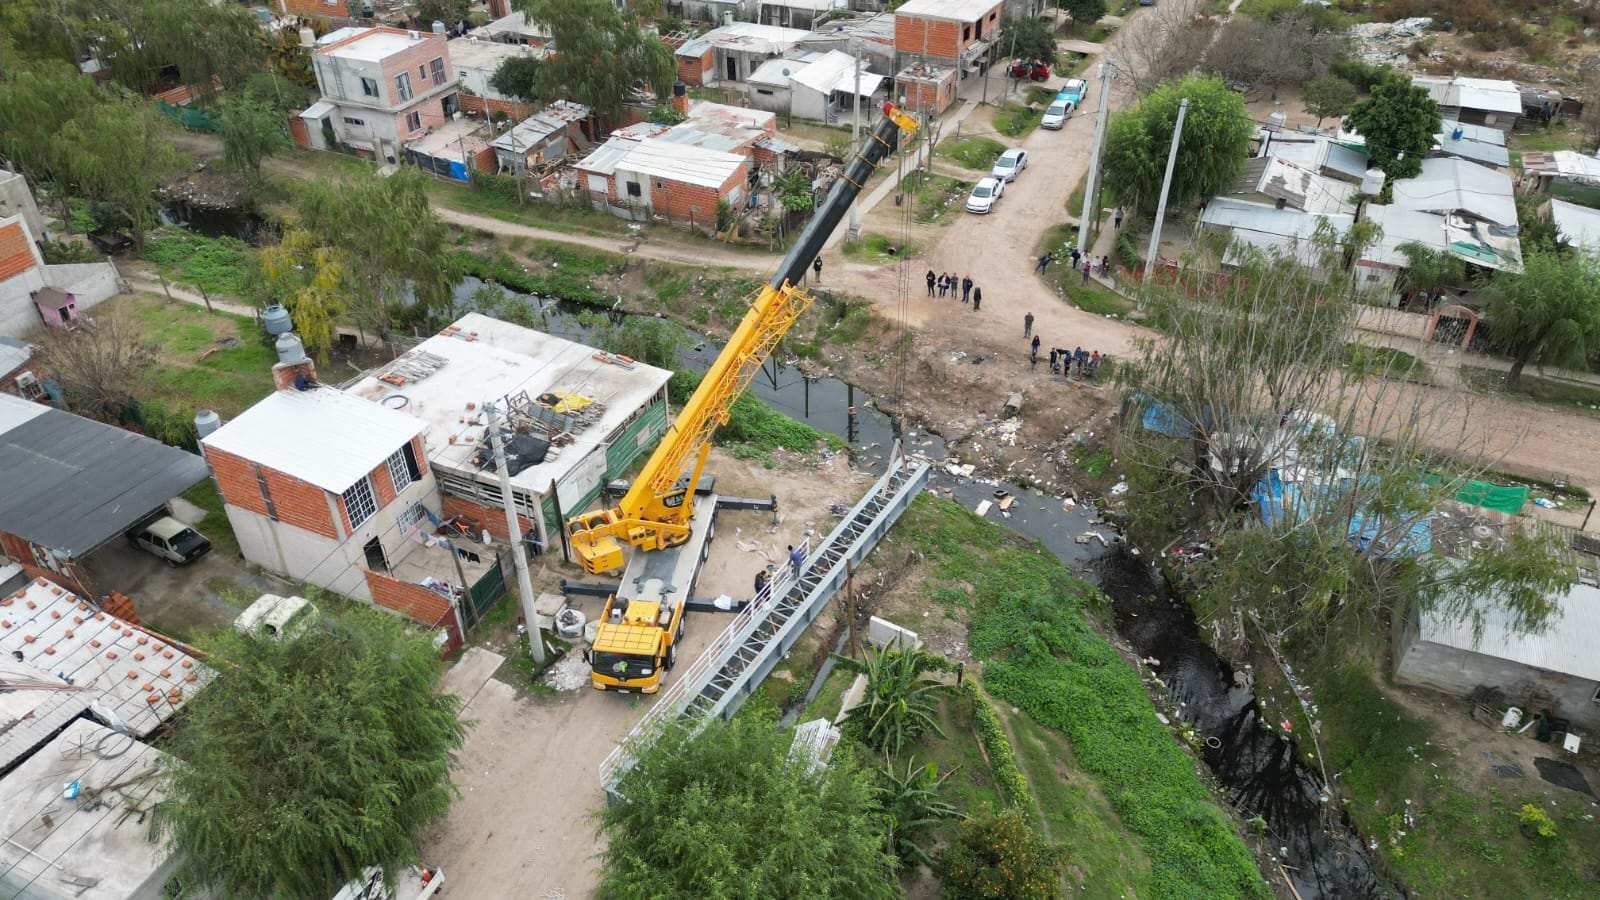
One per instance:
(1506,498)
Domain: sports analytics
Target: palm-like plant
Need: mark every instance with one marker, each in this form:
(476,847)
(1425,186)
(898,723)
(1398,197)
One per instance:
(901,702)
(911,804)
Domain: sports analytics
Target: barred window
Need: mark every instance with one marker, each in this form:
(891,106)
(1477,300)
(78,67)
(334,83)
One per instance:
(359,503)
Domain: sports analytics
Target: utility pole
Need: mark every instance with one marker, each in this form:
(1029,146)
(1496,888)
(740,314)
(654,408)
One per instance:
(1085,220)
(519,554)
(1166,184)
(855,130)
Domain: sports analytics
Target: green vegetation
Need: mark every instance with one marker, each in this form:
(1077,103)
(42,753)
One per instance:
(214,265)
(1000,856)
(1026,37)
(362,727)
(1575,396)
(1399,121)
(1017,121)
(1041,654)
(878,248)
(973,152)
(911,807)
(900,701)
(196,369)
(997,746)
(755,424)
(568,272)
(934,198)
(1097,463)
(1364,361)
(215,523)
(729,812)
(1548,314)
(1216,140)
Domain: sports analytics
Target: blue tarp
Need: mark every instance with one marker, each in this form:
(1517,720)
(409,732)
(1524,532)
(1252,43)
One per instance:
(1163,419)
(1282,502)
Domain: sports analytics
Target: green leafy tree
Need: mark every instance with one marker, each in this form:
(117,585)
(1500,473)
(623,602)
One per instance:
(310,280)
(395,249)
(1398,122)
(1329,97)
(603,56)
(1000,856)
(1026,37)
(36,101)
(307,760)
(1085,12)
(1429,270)
(1549,314)
(901,703)
(729,812)
(794,191)
(517,76)
(912,805)
(208,43)
(450,12)
(251,132)
(1211,153)
(117,153)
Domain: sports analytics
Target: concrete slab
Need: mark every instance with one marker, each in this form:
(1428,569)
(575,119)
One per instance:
(185,512)
(1088,48)
(468,676)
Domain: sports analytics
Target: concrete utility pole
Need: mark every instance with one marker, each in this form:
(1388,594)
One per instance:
(855,129)
(1085,220)
(1166,184)
(519,554)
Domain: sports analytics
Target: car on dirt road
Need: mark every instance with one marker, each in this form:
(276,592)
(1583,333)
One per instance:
(1057,114)
(1033,70)
(1010,164)
(170,539)
(984,194)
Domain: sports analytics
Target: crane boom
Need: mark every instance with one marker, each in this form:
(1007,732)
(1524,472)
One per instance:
(655,512)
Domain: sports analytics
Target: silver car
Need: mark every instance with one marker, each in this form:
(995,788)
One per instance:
(1010,164)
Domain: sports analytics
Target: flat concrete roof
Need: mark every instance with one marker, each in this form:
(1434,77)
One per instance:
(477,53)
(138,676)
(955,10)
(107,847)
(376,44)
(484,360)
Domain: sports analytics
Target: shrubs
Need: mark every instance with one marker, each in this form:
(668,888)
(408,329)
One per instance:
(1013,784)
(978,153)
(999,856)
(900,704)
(214,265)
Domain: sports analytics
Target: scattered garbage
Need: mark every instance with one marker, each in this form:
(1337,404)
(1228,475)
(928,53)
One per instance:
(983,508)
(1118,489)
(1387,42)
(1545,502)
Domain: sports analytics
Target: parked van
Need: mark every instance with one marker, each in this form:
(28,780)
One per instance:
(1057,113)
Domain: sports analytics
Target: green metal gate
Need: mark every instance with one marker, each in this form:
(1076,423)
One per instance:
(483,594)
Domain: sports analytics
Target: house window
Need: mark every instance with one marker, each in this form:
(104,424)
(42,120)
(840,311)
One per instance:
(763,91)
(369,87)
(402,471)
(438,69)
(966,32)
(1596,697)
(422,73)
(414,121)
(350,121)
(402,85)
(359,502)
(633,189)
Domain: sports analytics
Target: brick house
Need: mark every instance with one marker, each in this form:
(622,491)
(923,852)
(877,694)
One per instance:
(320,9)
(381,87)
(21,374)
(732,52)
(927,88)
(73,486)
(475,62)
(653,176)
(552,133)
(946,32)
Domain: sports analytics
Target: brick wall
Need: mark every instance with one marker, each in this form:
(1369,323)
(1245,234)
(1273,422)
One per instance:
(408,61)
(684,202)
(492,518)
(926,95)
(298,132)
(296,502)
(692,70)
(8,382)
(16,256)
(415,602)
(488,106)
(430,114)
(315,8)
(942,38)
(20,552)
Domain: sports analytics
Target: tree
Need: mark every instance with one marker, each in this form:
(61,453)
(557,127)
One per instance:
(307,760)
(517,76)
(1211,154)
(251,132)
(35,102)
(1169,43)
(1398,121)
(394,248)
(1429,270)
(911,805)
(729,812)
(1084,12)
(603,57)
(900,704)
(1590,117)
(1277,52)
(210,44)
(1027,37)
(1329,97)
(1549,314)
(310,280)
(1000,856)
(450,12)
(118,153)
(102,365)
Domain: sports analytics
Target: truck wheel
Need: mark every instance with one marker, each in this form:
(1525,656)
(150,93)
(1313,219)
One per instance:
(672,655)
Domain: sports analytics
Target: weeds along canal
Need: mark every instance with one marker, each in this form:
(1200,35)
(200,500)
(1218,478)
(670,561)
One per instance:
(1261,771)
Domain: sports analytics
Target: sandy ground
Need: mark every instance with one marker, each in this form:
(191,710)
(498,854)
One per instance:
(525,823)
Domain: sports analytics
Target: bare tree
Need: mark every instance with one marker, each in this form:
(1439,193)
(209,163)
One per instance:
(1278,53)
(1315,468)
(1590,117)
(1163,44)
(101,364)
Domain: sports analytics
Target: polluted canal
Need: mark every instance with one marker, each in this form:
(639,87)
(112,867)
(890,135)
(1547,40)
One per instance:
(1261,771)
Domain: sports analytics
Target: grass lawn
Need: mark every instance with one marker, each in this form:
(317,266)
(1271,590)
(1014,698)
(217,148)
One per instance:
(935,198)
(977,153)
(214,265)
(878,248)
(1364,361)
(1091,297)
(208,360)
(215,524)
(1017,121)
(1582,398)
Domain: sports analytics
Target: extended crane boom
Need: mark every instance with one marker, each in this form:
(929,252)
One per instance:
(658,507)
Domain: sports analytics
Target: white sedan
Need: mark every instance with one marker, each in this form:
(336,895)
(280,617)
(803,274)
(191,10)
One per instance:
(984,195)
(1010,164)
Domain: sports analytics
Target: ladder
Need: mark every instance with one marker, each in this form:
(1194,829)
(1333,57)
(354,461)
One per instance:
(735,664)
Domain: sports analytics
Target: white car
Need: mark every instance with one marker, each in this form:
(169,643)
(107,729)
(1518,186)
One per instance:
(171,540)
(984,195)
(1057,114)
(1010,164)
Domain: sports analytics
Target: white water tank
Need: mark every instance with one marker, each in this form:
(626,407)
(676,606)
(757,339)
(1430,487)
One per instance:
(1372,182)
(206,421)
(290,349)
(308,38)
(438,27)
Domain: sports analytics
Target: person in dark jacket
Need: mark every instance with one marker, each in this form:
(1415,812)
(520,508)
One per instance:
(931,280)
(977,298)
(966,288)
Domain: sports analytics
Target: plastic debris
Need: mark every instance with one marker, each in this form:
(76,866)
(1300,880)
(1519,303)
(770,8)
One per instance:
(1119,489)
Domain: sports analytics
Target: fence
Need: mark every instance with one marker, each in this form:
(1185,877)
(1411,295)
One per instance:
(189,117)
(483,593)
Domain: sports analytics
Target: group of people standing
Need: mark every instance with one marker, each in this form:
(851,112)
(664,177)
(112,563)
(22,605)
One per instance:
(1082,263)
(1077,361)
(940,285)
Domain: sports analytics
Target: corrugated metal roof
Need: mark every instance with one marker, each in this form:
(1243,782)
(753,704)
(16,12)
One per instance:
(1402,226)
(835,71)
(1562,164)
(774,72)
(534,129)
(322,436)
(13,354)
(1580,225)
(1266,219)
(689,164)
(1481,133)
(603,160)
(73,483)
(1475,150)
(1566,646)
(751,37)
(318,110)
(1488,94)
(1450,185)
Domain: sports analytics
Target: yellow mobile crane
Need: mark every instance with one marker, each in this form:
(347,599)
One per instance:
(639,626)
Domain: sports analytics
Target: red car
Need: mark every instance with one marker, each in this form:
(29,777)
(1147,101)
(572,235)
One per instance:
(1033,71)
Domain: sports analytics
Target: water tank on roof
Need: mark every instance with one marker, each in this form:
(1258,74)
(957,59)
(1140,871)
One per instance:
(1372,182)
(276,319)
(289,348)
(206,421)
(438,27)
(308,38)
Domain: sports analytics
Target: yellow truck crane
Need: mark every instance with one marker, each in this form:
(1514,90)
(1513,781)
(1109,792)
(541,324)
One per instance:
(636,637)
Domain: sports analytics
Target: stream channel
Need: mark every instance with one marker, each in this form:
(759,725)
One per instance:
(1261,771)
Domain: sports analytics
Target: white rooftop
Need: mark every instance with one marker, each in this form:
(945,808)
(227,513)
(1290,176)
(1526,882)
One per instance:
(339,34)
(835,71)
(473,53)
(138,676)
(1402,226)
(14,411)
(958,10)
(103,853)
(13,354)
(376,45)
(668,160)
(516,23)
(751,37)
(1447,185)
(487,359)
(814,5)
(1580,225)
(603,159)
(324,436)
(1489,94)
(29,715)
(1567,646)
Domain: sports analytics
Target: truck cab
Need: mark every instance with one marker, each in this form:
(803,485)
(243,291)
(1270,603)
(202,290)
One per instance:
(635,642)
